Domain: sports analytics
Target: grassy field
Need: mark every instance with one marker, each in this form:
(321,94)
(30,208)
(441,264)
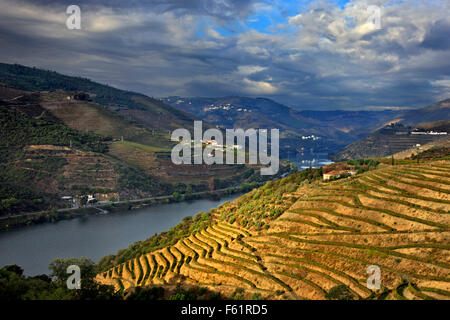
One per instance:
(395,217)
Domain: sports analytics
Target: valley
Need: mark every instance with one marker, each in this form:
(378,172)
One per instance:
(225,159)
(92,236)
(60,142)
(73,148)
(411,130)
(332,130)
(319,243)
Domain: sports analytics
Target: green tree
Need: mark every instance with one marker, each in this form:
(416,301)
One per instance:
(90,289)
(83,200)
(140,293)
(188,191)
(177,197)
(58,268)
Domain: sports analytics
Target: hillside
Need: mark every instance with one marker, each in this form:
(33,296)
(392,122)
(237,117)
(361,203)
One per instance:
(358,124)
(384,142)
(137,107)
(400,134)
(61,143)
(335,128)
(301,238)
(42,160)
(435,112)
(443,142)
(34,154)
(143,122)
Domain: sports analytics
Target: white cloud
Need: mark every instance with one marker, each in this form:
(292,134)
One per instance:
(258,87)
(248,70)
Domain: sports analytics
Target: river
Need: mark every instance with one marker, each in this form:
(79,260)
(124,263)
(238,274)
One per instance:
(34,247)
(313,160)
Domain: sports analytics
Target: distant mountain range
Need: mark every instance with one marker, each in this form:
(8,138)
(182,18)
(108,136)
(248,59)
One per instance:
(334,129)
(401,134)
(145,122)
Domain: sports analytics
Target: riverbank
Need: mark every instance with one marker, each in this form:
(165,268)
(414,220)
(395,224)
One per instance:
(54,215)
(94,236)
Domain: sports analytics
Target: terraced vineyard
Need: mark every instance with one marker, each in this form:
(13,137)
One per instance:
(328,233)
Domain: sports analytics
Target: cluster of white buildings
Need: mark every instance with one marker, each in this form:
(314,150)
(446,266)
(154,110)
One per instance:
(313,161)
(220,147)
(226,107)
(311,137)
(215,145)
(76,201)
(178,101)
(433,133)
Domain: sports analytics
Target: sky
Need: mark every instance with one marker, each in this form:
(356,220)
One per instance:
(326,54)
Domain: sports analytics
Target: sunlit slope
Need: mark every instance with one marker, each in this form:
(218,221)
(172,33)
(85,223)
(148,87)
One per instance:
(442,142)
(323,235)
(89,116)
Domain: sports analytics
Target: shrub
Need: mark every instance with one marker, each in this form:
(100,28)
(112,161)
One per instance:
(140,293)
(238,294)
(340,292)
(279,292)
(256,296)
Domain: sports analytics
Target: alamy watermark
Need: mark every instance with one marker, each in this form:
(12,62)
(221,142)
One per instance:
(374,279)
(235,153)
(74,280)
(374,18)
(73,22)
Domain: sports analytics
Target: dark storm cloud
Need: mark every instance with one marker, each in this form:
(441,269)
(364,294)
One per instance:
(316,59)
(438,37)
(223,9)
